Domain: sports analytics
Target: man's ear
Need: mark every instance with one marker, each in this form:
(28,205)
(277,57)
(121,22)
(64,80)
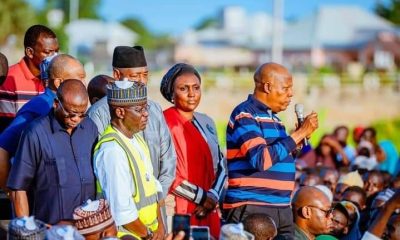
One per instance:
(116,74)
(29,52)
(120,112)
(305,212)
(267,87)
(57,82)
(346,230)
(55,103)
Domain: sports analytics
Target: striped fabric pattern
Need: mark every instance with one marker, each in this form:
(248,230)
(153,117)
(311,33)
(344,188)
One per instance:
(19,87)
(261,168)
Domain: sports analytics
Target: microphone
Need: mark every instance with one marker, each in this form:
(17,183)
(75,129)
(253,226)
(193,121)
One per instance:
(299,108)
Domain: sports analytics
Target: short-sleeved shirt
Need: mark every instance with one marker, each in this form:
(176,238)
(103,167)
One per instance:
(37,107)
(55,168)
(19,87)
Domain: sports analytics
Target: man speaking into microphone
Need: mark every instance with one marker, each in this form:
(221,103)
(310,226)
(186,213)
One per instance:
(260,165)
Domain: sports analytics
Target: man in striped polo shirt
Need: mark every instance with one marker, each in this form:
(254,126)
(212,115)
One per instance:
(261,167)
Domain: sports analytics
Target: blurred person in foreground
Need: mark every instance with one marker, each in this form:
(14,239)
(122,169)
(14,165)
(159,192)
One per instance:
(52,171)
(200,172)
(312,213)
(260,164)
(261,226)
(23,81)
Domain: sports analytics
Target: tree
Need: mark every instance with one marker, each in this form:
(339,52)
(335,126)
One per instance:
(16,16)
(389,11)
(87,8)
(206,23)
(146,39)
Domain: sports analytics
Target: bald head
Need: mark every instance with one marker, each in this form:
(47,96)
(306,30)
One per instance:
(97,87)
(261,226)
(268,72)
(309,196)
(63,67)
(312,211)
(273,86)
(72,91)
(3,68)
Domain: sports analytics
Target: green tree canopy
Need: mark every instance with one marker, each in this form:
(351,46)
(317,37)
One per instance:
(16,16)
(206,23)
(389,11)
(146,38)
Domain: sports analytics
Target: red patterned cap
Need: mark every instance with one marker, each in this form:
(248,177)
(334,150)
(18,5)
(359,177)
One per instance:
(92,217)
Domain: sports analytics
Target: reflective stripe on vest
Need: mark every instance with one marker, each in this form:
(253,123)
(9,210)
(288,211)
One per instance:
(146,205)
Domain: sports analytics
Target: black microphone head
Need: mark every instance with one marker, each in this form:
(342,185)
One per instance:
(299,108)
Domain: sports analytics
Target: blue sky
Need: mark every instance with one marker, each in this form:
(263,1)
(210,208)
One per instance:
(174,16)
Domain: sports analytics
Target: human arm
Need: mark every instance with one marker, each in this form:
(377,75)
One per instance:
(309,125)
(23,171)
(20,203)
(263,146)
(378,226)
(115,178)
(4,168)
(167,155)
(337,148)
(159,234)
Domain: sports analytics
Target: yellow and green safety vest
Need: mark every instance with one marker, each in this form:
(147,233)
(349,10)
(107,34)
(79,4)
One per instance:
(146,191)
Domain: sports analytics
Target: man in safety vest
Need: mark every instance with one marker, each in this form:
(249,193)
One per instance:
(123,166)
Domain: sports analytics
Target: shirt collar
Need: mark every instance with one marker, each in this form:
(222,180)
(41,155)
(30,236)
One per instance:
(261,106)
(56,126)
(25,70)
(50,92)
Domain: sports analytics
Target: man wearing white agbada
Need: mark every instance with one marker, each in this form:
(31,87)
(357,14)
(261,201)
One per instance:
(123,166)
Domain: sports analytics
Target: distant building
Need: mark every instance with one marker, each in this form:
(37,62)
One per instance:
(333,35)
(96,40)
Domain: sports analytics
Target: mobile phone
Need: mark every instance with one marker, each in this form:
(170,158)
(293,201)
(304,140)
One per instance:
(200,232)
(181,222)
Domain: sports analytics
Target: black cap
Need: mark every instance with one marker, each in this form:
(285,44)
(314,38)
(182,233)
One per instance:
(129,57)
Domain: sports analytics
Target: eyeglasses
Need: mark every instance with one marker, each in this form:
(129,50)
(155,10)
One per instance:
(327,212)
(71,115)
(142,109)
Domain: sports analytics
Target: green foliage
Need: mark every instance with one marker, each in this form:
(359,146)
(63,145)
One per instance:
(15,17)
(147,39)
(221,131)
(389,10)
(87,8)
(388,130)
(206,23)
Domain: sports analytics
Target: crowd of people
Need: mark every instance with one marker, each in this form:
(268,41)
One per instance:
(97,159)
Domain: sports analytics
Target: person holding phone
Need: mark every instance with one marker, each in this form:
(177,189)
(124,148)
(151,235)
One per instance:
(200,167)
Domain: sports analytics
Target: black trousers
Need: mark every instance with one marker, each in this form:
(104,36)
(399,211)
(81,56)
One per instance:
(282,216)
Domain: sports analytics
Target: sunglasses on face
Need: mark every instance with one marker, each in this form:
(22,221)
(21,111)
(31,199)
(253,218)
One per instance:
(70,115)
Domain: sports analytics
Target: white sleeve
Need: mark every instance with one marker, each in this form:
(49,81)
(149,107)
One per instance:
(114,174)
(369,236)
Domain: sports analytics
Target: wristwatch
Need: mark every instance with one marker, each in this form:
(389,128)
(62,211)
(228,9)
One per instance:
(149,235)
